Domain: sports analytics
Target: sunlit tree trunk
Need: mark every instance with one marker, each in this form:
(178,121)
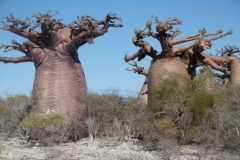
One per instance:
(59,85)
(162,69)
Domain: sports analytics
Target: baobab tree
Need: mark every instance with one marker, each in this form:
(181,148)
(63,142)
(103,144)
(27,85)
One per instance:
(59,83)
(181,60)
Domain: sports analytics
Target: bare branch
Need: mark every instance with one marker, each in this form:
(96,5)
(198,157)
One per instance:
(15,22)
(211,34)
(14,46)
(229,50)
(157,20)
(148,25)
(16,60)
(109,20)
(140,34)
(137,68)
(45,19)
(87,28)
(19,26)
(85,24)
(88,23)
(175,33)
(170,21)
(129,69)
(220,36)
(111,16)
(173,21)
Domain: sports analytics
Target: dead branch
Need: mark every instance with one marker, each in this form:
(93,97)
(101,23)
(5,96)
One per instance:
(15,22)
(16,60)
(220,36)
(14,46)
(138,69)
(46,18)
(228,50)
(170,21)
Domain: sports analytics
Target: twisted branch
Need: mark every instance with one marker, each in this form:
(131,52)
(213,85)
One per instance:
(138,69)
(228,50)
(14,46)
(46,18)
(15,22)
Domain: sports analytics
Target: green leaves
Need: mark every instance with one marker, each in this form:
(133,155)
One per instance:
(35,120)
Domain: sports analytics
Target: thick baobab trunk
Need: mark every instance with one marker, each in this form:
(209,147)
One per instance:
(235,70)
(163,69)
(59,85)
(143,95)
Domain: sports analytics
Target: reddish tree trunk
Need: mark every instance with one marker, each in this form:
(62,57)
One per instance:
(161,69)
(60,87)
(59,84)
(235,70)
(143,95)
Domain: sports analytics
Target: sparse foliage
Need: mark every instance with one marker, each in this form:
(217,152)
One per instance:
(111,114)
(12,110)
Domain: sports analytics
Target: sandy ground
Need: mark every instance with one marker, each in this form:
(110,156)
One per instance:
(102,149)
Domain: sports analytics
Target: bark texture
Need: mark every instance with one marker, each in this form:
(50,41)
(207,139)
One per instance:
(143,94)
(59,84)
(163,68)
(235,70)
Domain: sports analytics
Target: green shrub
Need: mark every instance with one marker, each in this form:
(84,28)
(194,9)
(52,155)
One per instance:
(2,110)
(12,110)
(199,104)
(204,81)
(232,142)
(50,129)
(195,135)
(171,90)
(1,149)
(35,120)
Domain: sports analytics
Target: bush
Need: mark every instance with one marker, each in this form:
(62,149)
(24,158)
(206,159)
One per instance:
(199,103)
(36,120)
(49,129)
(204,81)
(171,90)
(195,135)
(163,128)
(12,110)
(232,142)
(110,114)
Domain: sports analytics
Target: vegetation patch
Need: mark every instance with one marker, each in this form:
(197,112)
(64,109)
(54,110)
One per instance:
(163,128)
(173,89)
(195,135)
(232,142)
(36,120)
(199,104)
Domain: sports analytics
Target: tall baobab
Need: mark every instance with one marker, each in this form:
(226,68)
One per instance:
(59,83)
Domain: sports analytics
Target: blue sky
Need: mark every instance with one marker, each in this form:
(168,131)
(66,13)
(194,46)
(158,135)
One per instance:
(102,61)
